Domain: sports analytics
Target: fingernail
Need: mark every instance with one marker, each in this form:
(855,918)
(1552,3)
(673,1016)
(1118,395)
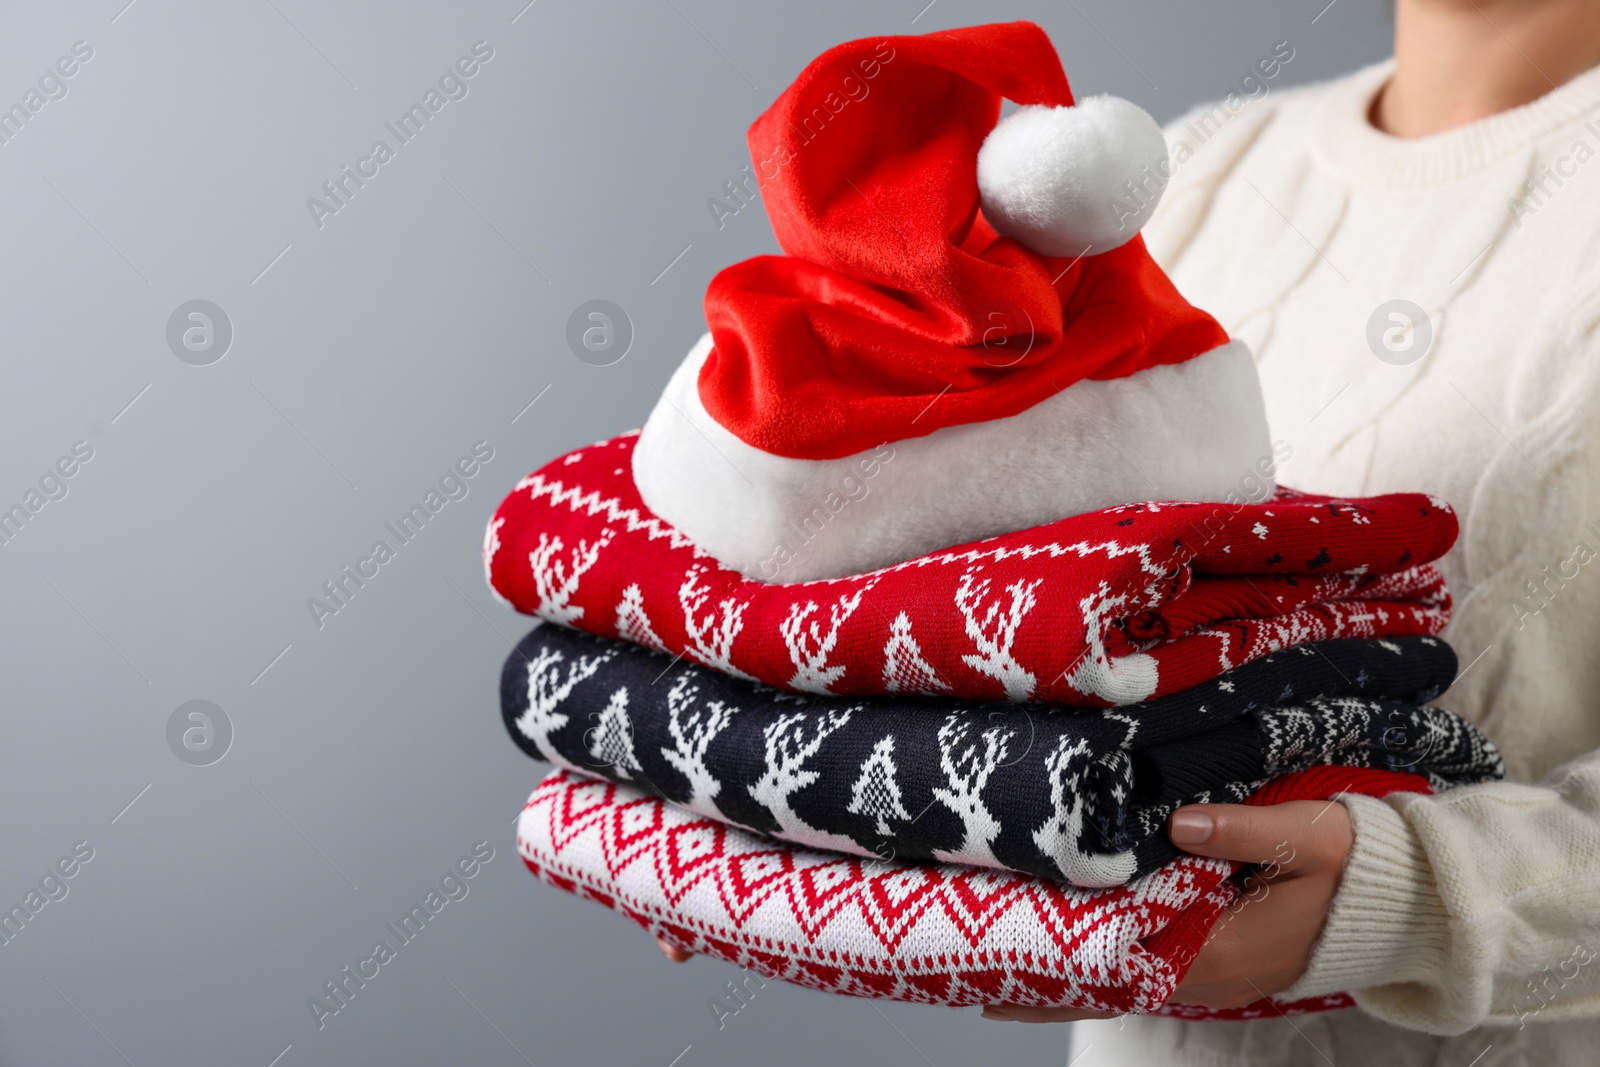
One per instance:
(997,1014)
(1190,827)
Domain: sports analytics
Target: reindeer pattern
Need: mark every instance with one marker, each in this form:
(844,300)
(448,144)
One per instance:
(1072,795)
(914,711)
(1105,608)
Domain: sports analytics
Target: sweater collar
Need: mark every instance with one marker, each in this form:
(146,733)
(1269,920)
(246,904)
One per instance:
(1350,145)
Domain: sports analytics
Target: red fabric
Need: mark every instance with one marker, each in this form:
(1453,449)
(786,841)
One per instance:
(1073,612)
(895,290)
(925,932)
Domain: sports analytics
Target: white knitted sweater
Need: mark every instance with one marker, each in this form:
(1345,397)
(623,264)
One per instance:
(1475,913)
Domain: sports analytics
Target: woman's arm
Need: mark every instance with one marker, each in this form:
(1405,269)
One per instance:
(1480,905)
(1474,907)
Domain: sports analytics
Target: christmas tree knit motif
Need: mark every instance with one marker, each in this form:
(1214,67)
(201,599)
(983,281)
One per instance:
(905,670)
(632,622)
(876,794)
(613,737)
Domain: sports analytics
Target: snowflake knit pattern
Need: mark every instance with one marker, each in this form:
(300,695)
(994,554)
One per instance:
(1106,608)
(924,932)
(1075,795)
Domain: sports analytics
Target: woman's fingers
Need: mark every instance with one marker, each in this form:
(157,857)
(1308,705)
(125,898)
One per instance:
(673,952)
(1015,1013)
(1261,944)
(1284,838)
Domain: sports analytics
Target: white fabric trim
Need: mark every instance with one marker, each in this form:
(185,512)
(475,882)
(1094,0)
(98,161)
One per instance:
(1195,430)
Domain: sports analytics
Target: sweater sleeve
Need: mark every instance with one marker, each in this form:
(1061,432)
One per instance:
(1481,905)
(1470,908)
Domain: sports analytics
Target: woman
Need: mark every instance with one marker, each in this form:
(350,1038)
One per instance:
(1461,178)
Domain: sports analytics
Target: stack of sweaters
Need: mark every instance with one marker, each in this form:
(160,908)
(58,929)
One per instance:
(948,780)
(878,659)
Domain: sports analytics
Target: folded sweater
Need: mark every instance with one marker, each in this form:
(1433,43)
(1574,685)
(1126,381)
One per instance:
(1076,795)
(1105,608)
(927,932)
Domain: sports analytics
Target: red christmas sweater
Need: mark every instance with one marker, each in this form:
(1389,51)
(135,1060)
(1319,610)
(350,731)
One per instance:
(1106,608)
(927,932)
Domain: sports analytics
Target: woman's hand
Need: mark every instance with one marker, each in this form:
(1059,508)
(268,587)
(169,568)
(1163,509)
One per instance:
(1262,943)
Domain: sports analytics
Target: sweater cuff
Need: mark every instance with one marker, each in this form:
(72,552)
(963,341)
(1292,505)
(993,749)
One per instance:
(1387,924)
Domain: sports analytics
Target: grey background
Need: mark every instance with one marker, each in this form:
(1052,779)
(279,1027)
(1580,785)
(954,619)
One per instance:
(372,353)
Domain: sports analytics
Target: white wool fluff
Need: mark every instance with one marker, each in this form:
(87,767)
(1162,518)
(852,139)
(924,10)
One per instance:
(1055,178)
(1194,430)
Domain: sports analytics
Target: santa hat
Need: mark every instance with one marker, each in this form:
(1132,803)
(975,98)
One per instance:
(966,336)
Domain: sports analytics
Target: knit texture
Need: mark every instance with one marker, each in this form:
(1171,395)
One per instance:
(1106,608)
(1078,796)
(1495,888)
(932,933)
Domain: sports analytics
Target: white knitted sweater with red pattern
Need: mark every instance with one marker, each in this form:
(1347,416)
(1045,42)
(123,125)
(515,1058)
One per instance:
(1293,220)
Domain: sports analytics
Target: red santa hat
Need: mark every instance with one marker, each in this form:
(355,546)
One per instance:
(966,335)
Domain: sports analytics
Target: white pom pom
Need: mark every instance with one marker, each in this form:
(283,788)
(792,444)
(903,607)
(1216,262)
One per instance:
(1055,178)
